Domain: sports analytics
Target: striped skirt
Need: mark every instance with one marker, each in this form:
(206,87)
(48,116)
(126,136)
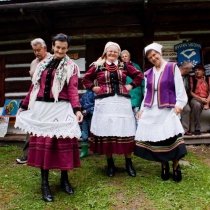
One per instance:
(113,126)
(53,153)
(162,151)
(112,145)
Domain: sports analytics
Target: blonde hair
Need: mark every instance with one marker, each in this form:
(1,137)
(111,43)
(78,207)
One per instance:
(125,52)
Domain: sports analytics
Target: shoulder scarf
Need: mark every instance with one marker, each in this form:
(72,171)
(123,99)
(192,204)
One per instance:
(64,72)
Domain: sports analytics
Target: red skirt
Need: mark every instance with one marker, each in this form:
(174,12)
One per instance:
(52,153)
(112,145)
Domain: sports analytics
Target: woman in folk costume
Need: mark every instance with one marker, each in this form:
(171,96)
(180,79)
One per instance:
(50,113)
(113,123)
(159,135)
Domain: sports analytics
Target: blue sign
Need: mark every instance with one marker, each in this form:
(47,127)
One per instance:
(188,51)
(11,107)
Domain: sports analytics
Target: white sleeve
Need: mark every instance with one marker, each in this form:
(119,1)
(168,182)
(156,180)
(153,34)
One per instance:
(145,92)
(181,96)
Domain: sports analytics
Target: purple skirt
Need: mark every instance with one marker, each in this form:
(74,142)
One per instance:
(52,153)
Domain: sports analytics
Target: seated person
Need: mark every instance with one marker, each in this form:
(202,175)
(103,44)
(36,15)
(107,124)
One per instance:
(200,96)
(185,68)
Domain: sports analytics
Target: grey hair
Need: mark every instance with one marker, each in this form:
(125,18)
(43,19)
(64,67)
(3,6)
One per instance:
(125,51)
(186,64)
(38,41)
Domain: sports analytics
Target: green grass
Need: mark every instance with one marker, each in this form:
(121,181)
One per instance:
(20,186)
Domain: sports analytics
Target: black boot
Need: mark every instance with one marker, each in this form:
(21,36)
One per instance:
(177,174)
(111,167)
(165,172)
(46,194)
(129,167)
(65,184)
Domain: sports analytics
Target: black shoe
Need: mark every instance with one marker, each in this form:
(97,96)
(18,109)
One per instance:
(46,194)
(197,132)
(165,172)
(129,167)
(21,160)
(66,186)
(177,174)
(110,167)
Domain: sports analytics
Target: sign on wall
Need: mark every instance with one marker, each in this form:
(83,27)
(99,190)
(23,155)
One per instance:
(11,107)
(188,51)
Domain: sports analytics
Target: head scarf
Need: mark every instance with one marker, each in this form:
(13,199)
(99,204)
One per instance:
(102,60)
(154,46)
(108,44)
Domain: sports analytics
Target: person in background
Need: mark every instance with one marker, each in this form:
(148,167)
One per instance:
(87,102)
(113,123)
(137,93)
(50,113)
(159,136)
(185,68)
(200,94)
(40,51)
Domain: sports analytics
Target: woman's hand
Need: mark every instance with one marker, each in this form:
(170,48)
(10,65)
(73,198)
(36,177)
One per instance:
(79,116)
(20,110)
(96,89)
(139,114)
(177,110)
(129,87)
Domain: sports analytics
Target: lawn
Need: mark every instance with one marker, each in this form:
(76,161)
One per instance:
(20,185)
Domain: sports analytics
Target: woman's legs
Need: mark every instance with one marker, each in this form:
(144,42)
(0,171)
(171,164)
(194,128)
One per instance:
(111,166)
(165,171)
(85,135)
(129,166)
(46,194)
(65,184)
(177,174)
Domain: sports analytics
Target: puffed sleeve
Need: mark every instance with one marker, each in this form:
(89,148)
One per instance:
(135,74)
(73,95)
(89,77)
(181,95)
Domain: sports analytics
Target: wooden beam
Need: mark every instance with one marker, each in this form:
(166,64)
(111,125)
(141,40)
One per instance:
(17,86)
(176,1)
(2,77)
(41,18)
(182,17)
(65,3)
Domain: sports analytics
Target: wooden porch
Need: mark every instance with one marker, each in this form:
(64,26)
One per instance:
(18,139)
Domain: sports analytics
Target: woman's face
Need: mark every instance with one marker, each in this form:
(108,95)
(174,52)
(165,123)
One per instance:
(60,49)
(112,53)
(154,57)
(125,57)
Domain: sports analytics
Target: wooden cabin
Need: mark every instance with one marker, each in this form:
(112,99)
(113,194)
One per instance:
(90,24)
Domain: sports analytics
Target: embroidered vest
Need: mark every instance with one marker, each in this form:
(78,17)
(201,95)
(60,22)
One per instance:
(165,89)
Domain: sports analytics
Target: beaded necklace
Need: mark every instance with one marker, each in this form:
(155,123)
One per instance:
(111,68)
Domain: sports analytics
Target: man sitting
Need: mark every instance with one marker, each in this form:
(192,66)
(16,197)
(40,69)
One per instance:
(200,96)
(185,68)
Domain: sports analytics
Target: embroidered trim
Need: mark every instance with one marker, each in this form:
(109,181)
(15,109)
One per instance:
(63,73)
